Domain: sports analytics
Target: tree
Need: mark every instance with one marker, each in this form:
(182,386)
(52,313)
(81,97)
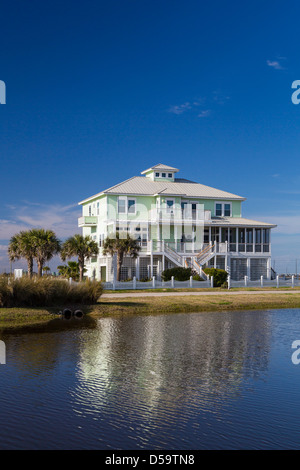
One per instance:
(46,270)
(71,269)
(46,245)
(82,247)
(126,245)
(21,246)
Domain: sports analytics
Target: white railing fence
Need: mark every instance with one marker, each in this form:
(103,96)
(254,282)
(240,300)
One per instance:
(262,282)
(155,284)
(191,283)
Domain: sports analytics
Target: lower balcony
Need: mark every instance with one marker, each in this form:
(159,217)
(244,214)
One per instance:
(87,221)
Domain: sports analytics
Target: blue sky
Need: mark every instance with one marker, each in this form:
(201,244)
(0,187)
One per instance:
(98,91)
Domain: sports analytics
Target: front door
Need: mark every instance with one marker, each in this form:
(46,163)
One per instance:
(103,273)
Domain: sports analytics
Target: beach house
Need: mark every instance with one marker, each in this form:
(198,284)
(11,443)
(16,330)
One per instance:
(177,222)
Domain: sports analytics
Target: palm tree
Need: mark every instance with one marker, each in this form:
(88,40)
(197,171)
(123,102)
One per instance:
(82,247)
(46,245)
(21,246)
(121,246)
(71,269)
(46,270)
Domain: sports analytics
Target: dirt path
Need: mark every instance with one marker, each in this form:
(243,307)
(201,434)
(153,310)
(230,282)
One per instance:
(180,294)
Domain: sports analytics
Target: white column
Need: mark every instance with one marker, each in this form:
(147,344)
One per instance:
(137,268)
(261,281)
(248,267)
(254,240)
(151,258)
(215,261)
(269,269)
(237,239)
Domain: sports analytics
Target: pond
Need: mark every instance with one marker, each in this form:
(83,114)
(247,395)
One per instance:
(164,381)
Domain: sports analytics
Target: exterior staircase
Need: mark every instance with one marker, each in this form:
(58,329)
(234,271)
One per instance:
(194,262)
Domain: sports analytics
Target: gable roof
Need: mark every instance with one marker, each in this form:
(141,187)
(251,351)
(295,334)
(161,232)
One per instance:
(143,186)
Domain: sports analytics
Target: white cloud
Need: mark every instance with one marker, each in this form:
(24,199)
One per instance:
(275,64)
(204,113)
(61,219)
(286,224)
(179,109)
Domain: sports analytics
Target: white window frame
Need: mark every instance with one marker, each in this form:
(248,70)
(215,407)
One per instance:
(170,175)
(131,199)
(157,174)
(223,208)
(122,198)
(126,199)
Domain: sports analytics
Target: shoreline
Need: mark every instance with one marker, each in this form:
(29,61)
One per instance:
(162,303)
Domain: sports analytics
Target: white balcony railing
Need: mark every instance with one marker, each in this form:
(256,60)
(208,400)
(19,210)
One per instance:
(178,214)
(87,221)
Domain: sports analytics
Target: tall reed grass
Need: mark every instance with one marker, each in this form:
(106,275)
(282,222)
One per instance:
(47,292)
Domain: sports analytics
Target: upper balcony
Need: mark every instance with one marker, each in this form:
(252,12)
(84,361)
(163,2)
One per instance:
(87,221)
(179,215)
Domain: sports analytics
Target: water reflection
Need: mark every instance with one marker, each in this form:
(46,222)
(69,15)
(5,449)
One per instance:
(164,381)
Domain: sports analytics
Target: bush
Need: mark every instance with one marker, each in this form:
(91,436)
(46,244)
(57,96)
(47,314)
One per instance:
(180,274)
(47,292)
(197,277)
(219,275)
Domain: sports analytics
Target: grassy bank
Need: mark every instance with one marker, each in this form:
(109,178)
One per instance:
(16,317)
(169,304)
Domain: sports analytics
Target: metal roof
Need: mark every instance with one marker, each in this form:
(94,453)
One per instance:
(160,166)
(237,221)
(143,186)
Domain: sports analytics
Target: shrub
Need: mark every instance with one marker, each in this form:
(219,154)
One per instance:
(197,277)
(219,275)
(47,292)
(180,274)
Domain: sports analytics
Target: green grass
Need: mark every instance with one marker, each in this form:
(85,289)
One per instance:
(106,307)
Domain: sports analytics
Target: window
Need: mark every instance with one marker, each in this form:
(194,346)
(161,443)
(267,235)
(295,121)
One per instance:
(98,205)
(126,205)
(223,209)
(131,206)
(121,205)
(90,210)
(170,204)
(227,210)
(156,175)
(170,175)
(163,175)
(218,210)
